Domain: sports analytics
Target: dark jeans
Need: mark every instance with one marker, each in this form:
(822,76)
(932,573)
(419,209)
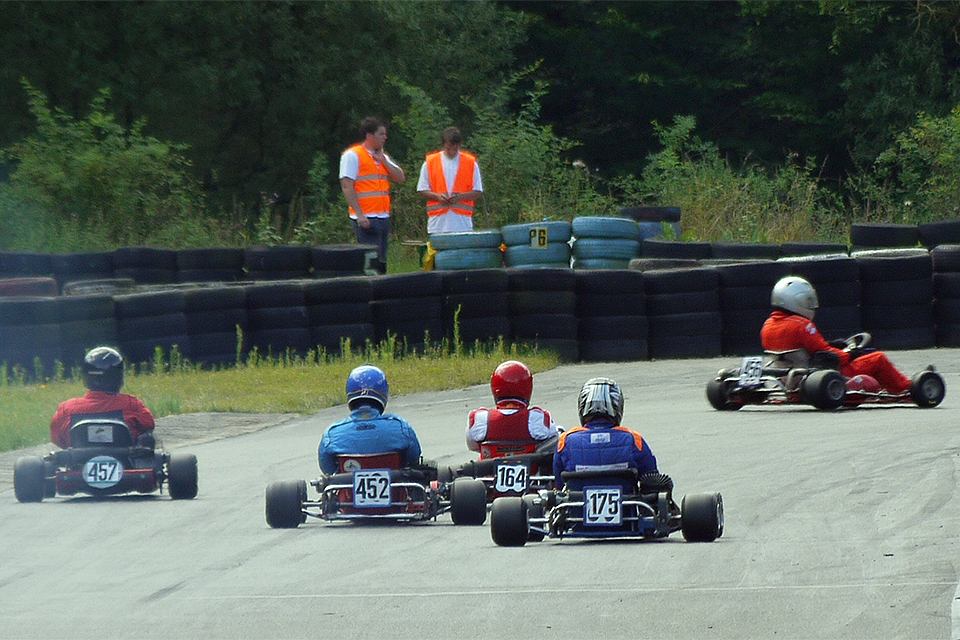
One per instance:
(376,235)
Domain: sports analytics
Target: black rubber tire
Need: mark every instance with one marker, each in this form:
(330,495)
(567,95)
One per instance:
(349,289)
(210,258)
(508,521)
(750,274)
(150,303)
(884,234)
(933,234)
(685,324)
(270,318)
(652,214)
(591,305)
(819,269)
(614,350)
(560,326)
(609,248)
(471,281)
(28,479)
(548,279)
(894,265)
(899,293)
(654,248)
(477,305)
(216,321)
(277,294)
(664,304)
(896,317)
(946,258)
(743,250)
(946,285)
(927,389)
(339,313)
(418,284)
(719,397)
(285,258)
(534,510)
(602,264)
(277,341)
(468,502)
(701,517)
(825,389)
(593,328)
(284,503)
(531,302)
(35,310)
(182,476)
(209,275)
(813,248)
(627,282)
(520,255)
(352,258)
(669,281)
(330,336)
(398,310)
(146,327)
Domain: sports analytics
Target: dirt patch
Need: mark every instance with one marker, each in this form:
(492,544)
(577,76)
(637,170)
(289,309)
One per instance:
(172,432)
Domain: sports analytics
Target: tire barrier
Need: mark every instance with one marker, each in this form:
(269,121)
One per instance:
(467,250)
(286,262)
(745,303)
(745,251)
(36,286)
(86,321)
(477,304)
(683,310)
(612,321)
(409,306)
(15,264)
(214,315)
(656,248)
(145,265)
(872,235)
(934,234)
(30,336)
(277,319)
(896,299)
(73,267)
(543,309)
(653,221)
(338,310)
(605,243)
(537,244)
(151,320)
(946,294)
(343,260)
(837,280)
(213,264)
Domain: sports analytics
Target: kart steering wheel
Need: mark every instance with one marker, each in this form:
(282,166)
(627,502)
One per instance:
(857,341)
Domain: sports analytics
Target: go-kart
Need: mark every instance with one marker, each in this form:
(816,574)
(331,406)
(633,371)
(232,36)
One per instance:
(512,468)
(606,504)
(103,460)
(376,487)
(796,377)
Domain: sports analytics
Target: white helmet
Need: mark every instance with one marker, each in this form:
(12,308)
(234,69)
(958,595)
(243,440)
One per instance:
(796,295)
(600,397)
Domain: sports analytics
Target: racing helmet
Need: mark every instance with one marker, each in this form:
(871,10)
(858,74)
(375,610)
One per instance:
(367,384)
(512,380)
(103,370)
(796,295)
(600,397)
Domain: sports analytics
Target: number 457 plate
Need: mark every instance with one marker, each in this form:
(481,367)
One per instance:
(751,367)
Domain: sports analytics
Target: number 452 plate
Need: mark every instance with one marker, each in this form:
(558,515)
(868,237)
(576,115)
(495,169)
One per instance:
(371,488)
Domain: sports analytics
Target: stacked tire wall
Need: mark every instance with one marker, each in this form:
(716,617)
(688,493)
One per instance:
(896,298)
(543,305)
(946,294)
(683,308)
(612,316)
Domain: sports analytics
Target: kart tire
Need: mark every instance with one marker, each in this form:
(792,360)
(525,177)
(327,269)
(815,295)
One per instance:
(718,395)
(182,476)
(927,389)
(28,480)
(701,517)
(284,503)
(534,510)
(508,522)
(824,389)
(468,502)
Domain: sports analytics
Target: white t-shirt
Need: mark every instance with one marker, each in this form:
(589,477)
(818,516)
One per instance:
(449,222)
(350,168)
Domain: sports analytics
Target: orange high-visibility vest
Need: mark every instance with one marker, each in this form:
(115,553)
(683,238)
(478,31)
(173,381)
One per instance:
(372,185)
(461,184)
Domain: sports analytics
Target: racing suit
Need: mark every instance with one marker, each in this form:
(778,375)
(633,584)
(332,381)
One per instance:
(511,420)
(135,414)
(785,331)
(368,431)
(600,445)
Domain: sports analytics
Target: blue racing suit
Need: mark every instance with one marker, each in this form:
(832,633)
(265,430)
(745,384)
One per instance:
(367,431)
(601,445)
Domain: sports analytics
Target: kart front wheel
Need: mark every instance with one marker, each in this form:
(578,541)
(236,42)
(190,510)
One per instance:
(824,389)
(182,476)
(284,503)
(28,480)
(927,389)
(508,522)
(468,501)
(719,397)
(701,517)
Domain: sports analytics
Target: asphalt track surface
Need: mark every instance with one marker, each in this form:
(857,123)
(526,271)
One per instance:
(838,525)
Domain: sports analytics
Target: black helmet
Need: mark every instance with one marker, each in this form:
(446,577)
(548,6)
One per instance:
(103,370)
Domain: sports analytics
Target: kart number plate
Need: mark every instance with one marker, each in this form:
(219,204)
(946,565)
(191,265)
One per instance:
(101,472)
(602,506)
(512,477)
(751,367)
(100,433)
(371,488)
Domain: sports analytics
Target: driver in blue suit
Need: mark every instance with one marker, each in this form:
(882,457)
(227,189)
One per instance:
(601,444)
(368,429)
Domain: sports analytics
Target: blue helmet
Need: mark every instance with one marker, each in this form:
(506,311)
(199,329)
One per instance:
(367,383)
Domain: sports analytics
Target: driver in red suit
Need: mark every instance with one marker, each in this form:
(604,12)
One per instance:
(512,419)
(103,376)
(790,326)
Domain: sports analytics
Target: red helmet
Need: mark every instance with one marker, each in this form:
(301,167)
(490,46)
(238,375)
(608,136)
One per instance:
(512,380)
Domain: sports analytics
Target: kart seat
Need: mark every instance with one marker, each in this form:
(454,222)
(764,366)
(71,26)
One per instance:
(504,448)
(786,360)
(99,429)
(353,461)
(626,479)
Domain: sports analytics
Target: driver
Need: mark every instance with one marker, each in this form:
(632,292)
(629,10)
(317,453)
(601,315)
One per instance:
(790,326)
(512,419)
(601,444)
(103,376)
(368,429)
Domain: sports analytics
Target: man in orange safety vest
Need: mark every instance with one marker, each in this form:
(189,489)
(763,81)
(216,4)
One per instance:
(450,182)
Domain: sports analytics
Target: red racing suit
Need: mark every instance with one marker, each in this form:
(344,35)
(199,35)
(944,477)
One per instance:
(785,331)
(135,414)
(511,420)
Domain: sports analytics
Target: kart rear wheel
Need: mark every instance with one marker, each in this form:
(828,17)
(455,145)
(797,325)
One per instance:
(718,394)
(534,510)
(28,481)
(468,501)
(927,389)
(284,503)
(508,522)
(701,517)
(824,389)
(182,476)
